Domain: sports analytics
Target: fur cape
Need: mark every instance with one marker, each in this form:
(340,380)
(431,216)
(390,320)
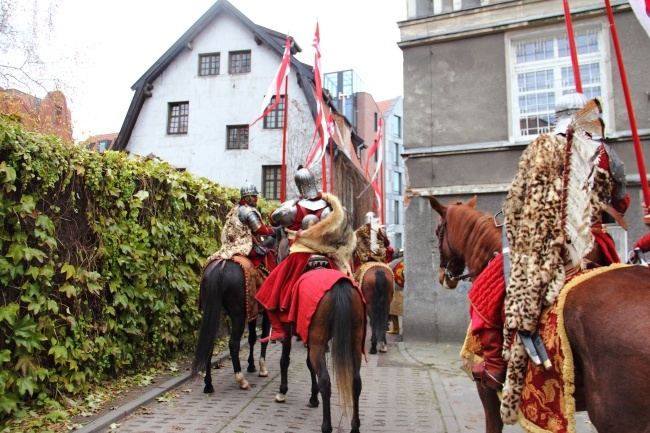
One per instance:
(235,237)
(364,250)
(332,237)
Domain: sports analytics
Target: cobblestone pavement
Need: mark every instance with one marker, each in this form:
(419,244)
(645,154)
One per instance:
(415,387)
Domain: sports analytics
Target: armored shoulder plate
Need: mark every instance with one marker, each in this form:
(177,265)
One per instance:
(250,216)
(313,205)
(285,214)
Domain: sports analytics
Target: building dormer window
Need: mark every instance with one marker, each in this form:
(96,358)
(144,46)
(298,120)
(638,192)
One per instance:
(239,62)
(178,117)
(209,64)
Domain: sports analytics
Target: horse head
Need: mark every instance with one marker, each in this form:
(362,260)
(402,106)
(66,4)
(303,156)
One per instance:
(452,262)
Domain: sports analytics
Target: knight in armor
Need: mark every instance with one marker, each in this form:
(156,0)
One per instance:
(319,236)
(250,216)
(372,243)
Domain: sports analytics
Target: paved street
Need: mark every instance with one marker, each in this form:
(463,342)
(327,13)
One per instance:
(415,387)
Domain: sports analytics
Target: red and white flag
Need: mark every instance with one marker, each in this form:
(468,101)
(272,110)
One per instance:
(276,85)
(641,9)
(377,189)
(317,150)
(377,147)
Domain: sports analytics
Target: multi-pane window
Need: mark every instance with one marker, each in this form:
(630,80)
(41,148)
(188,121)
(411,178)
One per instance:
(396,153)
(397,126)
(542,72)
(275,118)
(396,209)
(272,178)
(238,137)
(209,64)
(239,62)
(397,183)
(178,116)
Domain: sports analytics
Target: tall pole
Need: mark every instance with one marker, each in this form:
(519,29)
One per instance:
(572,47)
(324,171)
(283,169)
(630,109)
(331,144)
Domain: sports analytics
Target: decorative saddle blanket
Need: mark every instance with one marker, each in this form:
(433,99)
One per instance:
(547,402)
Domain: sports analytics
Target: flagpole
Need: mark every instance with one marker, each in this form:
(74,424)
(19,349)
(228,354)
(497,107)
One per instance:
(324,172)
(331,143)
(283,176)
(572,46)
(630,109)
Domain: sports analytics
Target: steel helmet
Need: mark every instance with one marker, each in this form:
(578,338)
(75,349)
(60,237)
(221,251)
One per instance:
(565,108)
(248,189)
(306,183)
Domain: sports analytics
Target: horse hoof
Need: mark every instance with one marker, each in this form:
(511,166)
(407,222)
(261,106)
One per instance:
(373,350)
(251,369)
(280,398)
(313,403)
(383,348)
(241,380)
(264,373)
(209,389)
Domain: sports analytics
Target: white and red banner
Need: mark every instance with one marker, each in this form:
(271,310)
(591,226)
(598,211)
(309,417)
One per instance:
(317,150)
(276,85)
(641,9)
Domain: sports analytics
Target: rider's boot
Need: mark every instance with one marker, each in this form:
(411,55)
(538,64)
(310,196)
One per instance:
(492,371)
(395,320)
(277,331)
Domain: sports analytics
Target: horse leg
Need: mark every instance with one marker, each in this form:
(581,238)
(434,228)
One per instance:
(208,389)
(313,400)
(266,329)
(373,337)
(491,407)
(356,389)
(317,360)
(238,324)
(285,360)
(252,338)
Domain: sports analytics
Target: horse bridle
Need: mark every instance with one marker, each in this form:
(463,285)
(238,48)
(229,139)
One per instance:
(440,232)
(442,238)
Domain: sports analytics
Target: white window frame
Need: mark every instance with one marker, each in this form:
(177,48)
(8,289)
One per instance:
(602,58)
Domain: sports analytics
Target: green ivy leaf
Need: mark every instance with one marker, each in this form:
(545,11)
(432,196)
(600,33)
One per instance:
(142,194)
(5,355)
(69,271)
(60,353)
(9,402)
(16,252)
(26,385)
(9,312)
(69,290)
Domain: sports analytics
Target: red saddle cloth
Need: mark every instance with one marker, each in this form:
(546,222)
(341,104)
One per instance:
(307,293)
(487,295)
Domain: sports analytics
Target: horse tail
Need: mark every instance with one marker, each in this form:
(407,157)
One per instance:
(379,309)
(212,306)
(343,352)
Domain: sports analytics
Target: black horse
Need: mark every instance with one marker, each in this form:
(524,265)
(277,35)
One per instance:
(223,288)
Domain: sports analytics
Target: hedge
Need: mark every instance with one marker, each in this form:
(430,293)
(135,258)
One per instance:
(100,260)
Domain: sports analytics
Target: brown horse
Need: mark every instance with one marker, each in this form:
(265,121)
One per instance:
(339,321)
(377,286)
(606,321)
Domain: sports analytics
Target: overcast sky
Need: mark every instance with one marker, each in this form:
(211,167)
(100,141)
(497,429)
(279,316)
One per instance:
(103,47)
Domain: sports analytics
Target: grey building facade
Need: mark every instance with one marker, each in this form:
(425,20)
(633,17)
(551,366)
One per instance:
(481,78)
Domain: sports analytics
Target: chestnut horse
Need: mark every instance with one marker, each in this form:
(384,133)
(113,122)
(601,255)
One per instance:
(339,320)
(606,321)
(223,287)
(377,287)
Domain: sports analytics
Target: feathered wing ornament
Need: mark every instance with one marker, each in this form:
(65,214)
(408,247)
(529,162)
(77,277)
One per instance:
(583,158)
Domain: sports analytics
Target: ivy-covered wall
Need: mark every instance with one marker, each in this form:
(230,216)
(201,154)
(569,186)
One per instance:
(100,259)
